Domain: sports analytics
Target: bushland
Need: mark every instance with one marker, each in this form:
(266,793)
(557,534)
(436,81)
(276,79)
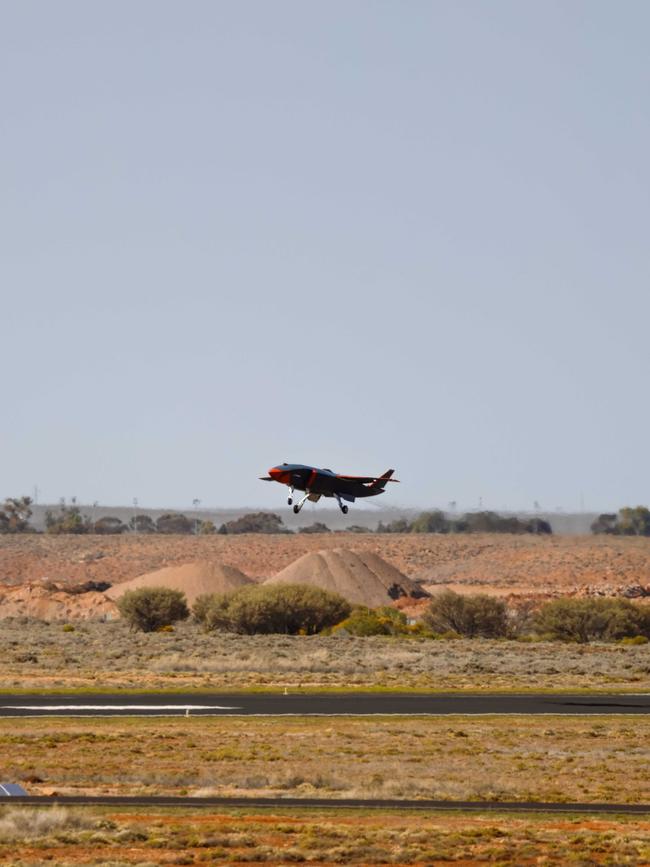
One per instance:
(630,521)
(472,522)
(472,616)
(375,621)
(599,619)
(289,609)
(152,608)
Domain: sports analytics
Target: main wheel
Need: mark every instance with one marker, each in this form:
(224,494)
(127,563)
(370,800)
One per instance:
(344,509)
(296,509)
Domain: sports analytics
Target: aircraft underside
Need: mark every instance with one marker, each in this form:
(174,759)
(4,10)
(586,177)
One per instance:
(314,498)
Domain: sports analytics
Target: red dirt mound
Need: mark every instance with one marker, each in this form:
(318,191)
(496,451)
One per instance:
(55,603)
(193,579)
(361,577)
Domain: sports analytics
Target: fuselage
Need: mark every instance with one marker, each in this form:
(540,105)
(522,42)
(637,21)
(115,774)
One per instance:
(323,482)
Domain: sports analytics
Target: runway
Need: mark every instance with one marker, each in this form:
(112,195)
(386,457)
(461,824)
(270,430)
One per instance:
(322,804)
(322,704)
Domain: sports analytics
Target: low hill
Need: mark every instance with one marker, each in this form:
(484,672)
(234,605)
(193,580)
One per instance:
(361,577)
(194,579)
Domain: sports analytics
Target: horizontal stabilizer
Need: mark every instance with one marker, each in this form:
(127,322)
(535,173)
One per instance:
(380,483)
(367,480)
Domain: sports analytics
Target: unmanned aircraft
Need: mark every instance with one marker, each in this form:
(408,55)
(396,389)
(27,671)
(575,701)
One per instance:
(319,483)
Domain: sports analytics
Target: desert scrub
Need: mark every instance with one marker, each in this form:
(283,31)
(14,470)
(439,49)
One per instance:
(343,837)
(109,656)
(35,823)
(512,758)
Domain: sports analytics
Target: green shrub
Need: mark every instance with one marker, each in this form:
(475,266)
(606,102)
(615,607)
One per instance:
(15,514)
(401,525)
(152,608)
(142,524)
(212,611)
(634,521)
(584,620)
(67,520)
(430,522)
(289,609)
(174,522)
(377,621)
(470,616)
(491,522)
(254,522)
(109,526)
(630,521)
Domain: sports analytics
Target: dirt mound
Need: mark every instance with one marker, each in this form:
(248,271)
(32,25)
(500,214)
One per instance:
(45,602)
(194,579)
(361,577)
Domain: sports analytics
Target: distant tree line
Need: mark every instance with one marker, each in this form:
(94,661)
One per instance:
(472,522)
(16,512)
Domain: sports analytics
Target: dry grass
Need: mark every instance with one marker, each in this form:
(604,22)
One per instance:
(107,656)
(238,837)
(485,758)
(33,823)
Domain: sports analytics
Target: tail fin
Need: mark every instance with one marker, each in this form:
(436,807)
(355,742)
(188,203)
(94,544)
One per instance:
(380,483)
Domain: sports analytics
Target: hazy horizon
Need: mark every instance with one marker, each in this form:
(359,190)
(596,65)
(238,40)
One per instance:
(357,236)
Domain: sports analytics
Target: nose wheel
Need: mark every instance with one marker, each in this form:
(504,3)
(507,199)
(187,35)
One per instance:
(290,498)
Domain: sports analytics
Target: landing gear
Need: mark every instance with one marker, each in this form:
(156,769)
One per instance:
(342,505)
(298,506)
(290,500)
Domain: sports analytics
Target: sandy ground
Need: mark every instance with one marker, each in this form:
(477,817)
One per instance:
(534,564)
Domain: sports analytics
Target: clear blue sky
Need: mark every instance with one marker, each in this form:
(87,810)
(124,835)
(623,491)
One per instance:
(359,235)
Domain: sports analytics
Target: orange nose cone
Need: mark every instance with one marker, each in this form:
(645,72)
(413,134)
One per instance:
(279,474)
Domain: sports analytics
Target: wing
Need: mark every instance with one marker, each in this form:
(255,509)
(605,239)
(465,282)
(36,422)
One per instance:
(364,480)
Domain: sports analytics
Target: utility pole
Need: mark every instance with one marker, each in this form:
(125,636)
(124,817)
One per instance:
(196,503)
(135,515)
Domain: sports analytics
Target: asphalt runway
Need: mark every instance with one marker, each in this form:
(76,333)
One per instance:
(322,804)
(350,704)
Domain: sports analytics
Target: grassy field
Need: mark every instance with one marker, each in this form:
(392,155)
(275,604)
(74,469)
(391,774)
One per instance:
(108,656)
(479,758)
(125,837)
